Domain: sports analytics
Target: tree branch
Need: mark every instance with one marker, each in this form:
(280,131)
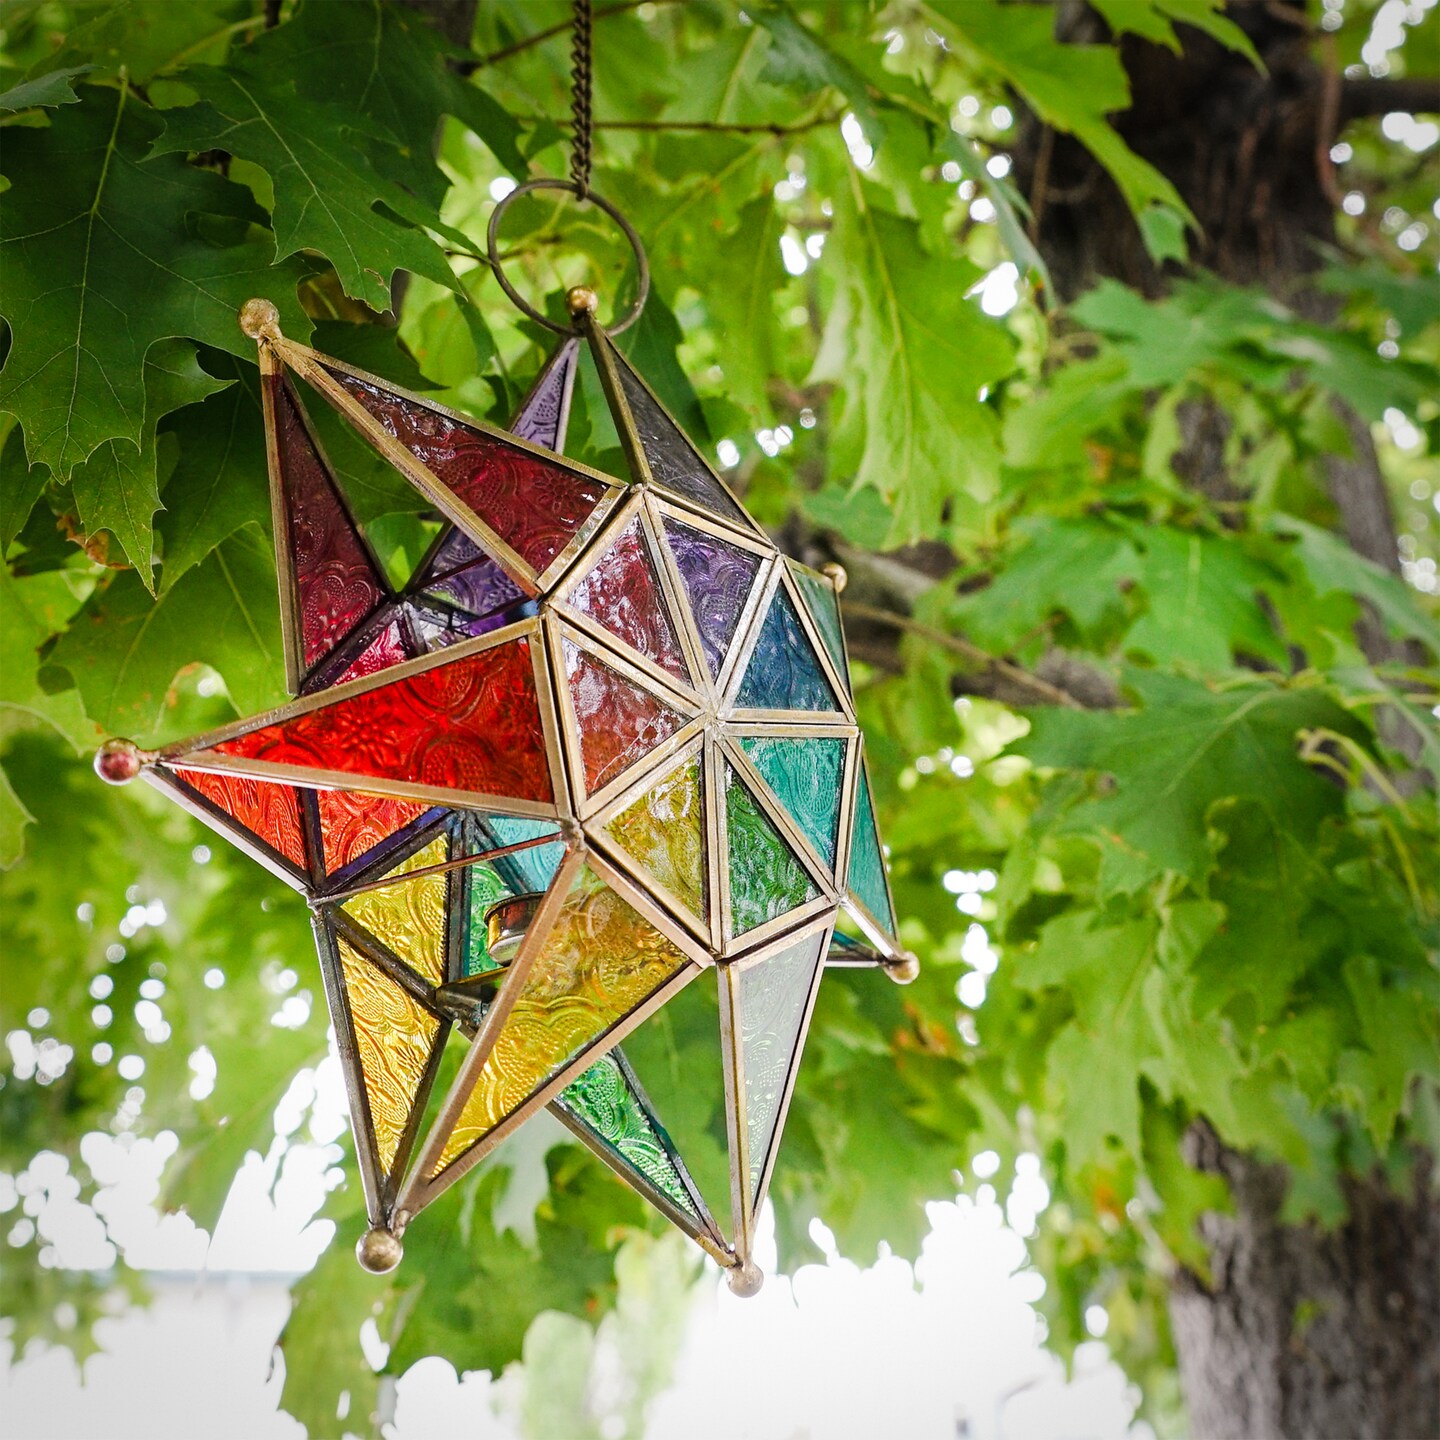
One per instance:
(530,41)
(1359,98)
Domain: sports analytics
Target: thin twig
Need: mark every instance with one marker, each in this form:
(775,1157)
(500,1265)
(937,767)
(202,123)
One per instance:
(1043,689)
(721,127)
(469,67)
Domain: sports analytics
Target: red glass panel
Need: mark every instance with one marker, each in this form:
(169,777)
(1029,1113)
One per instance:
(352,824)
(337,584)
(534,505)
(619,722)
(268,810)
(471,724)
(623,594)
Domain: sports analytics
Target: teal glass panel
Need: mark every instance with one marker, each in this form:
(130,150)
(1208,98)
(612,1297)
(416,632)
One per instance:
(773,998)
(805,776)
(766,880)
(783,672)
(527,870)
(867,864)
(605,1101)
(824,607)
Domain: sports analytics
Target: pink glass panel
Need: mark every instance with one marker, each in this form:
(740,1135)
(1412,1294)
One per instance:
(620,722)
(623,594)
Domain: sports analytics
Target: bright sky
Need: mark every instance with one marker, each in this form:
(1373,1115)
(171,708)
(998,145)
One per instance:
(948,1349)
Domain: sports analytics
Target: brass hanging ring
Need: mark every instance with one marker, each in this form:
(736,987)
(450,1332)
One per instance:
(642,264)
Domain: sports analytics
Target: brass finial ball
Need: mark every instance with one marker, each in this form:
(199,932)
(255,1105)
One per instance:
(903,970)
(582,300)
(259,318)
(118,762)
(835,573)
(745,1280)
(379,1251)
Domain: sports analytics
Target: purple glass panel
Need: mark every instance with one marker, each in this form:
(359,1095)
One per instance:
(479,588)
(718,578)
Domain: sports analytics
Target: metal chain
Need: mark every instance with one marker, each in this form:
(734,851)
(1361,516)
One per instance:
(580,84)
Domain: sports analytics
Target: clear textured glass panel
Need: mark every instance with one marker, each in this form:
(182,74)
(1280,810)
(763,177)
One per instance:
(532,503)
(674,461)
(604,1101)
(773,998)
(336,580)
(664,833)
(718,578)
(601,961)
(267,809)
(619,721)
(867,863)
(766,880)
(394,1036)
(805,775)
(622,593)
(782,672)
(473,724)
(409,916)
(824,606)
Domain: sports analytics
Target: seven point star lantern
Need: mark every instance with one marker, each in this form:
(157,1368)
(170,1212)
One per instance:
(600,747)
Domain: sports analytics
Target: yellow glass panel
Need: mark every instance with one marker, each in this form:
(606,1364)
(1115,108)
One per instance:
(409,916)
(663,831)
(601,960)
(394,1036)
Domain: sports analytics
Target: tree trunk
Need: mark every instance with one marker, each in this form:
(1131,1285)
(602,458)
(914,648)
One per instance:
(1300,1333)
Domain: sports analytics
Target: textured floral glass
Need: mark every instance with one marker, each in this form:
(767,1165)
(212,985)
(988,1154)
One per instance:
(766,880)
(620,722)
(867,867)
(805,776)
(718,578)
(601,961)
(622,593)
(473,725)
(266,809)
(824,607)
(337,580)
(783,673)
(532,504)
(672,459)
(663,832)
(773,998)
(394,1036)
(408,916)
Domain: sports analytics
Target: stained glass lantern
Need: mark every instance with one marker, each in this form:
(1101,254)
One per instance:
(600,748)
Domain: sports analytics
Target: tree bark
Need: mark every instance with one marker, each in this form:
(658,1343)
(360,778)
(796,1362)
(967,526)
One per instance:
(1299,1333)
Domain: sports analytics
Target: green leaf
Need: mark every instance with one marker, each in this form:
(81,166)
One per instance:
(1185,750)
(51,88)
(85,230)
(1330,565)
(1203,601)
(23,486)
(1072,87)
(741,297)
(799,59)
(910,354)
(125,649)
(117,487)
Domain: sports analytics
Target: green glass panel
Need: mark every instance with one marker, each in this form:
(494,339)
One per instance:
(824,607)
(867,864)
(805,776)
(664,832)
(604,1101)
(766,879)
(486,887)
(773,997)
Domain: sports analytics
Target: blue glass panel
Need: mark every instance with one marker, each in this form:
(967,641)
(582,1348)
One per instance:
(783,673)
